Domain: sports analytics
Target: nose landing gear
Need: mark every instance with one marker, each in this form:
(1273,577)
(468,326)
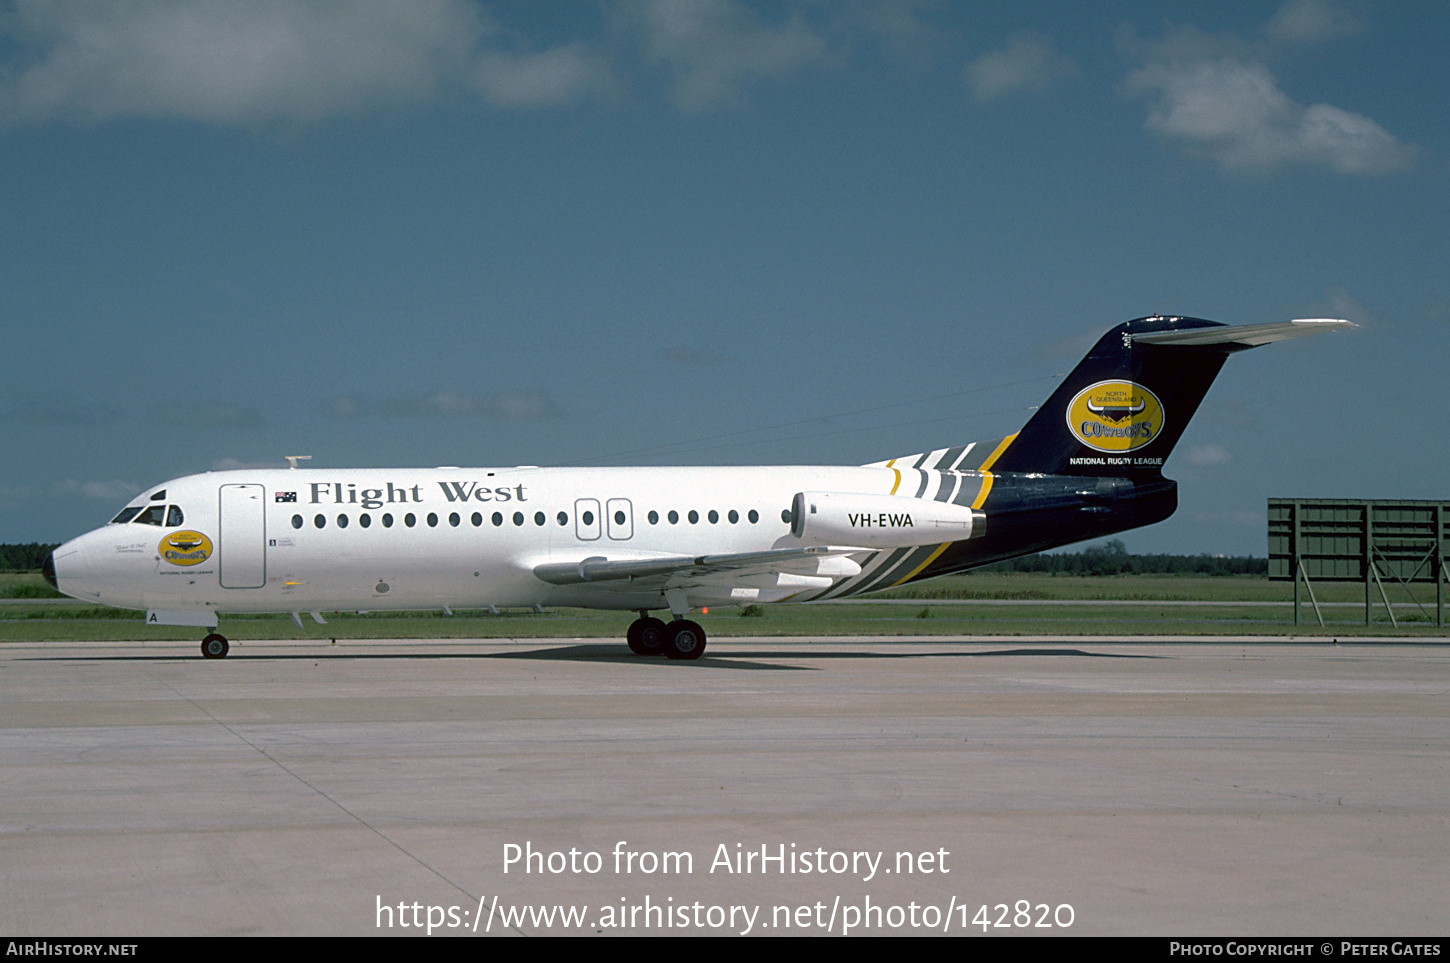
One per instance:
(214,647)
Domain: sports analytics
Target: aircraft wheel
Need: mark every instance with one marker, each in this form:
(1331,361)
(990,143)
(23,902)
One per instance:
(646,636)
(684,640)
(214,647)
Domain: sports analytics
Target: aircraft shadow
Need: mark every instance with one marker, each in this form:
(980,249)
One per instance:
(762,660)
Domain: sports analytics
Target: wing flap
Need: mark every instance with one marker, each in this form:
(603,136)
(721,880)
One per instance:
(597,568)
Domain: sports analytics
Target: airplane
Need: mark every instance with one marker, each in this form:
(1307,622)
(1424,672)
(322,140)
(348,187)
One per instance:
(1087,464)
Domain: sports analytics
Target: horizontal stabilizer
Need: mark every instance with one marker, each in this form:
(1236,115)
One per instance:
(1244,335)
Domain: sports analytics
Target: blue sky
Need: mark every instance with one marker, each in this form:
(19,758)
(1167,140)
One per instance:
(428,232)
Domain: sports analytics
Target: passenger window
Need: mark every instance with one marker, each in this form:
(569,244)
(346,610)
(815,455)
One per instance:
(126,515)
(410,519)
(563,518)
(477,519)
(432,520)
(654,518)
(518,518)
(539,518)
(754,516)
(714,516)
(387,519)
(694,516)
(296,521)
(453,519)
(497,519)
(674,517)
(364,519)
(734,516)
(151,516)
(320,521)
(342,521)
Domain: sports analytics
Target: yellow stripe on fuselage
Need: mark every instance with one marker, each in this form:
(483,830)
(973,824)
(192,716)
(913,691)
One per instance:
(997,453)
(986,489)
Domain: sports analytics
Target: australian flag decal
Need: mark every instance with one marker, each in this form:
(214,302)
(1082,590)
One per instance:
(286,496)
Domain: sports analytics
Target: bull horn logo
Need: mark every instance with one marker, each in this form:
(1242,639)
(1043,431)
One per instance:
(1115,412)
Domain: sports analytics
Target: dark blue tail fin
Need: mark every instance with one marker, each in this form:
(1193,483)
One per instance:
(1125,405)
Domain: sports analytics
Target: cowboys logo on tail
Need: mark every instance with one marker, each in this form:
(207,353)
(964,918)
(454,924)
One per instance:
(1115,416)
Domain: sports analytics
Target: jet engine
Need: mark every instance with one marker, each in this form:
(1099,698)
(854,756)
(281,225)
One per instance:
(880,521)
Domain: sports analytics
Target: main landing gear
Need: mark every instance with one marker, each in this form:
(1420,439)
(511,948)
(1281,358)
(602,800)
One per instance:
(214,647)
(680,639)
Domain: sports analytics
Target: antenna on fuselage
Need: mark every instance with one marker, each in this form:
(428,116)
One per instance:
(294,459)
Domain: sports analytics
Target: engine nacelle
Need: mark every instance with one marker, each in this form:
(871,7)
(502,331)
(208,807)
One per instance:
(880,521)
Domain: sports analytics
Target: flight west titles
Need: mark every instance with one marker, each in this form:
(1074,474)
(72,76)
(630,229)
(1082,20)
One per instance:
(337,493)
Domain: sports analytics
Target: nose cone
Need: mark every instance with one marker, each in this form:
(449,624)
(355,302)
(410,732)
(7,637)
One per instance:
(68,569)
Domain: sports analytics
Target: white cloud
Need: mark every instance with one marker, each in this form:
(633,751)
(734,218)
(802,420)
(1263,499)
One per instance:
(1029,62)
(1070,345)
(1231,519)
(343,406)
(503,405)
(548,78)
(1350,143)
(1311,22)
(691,357)
(228,61)
(110,491)
(50,411)
(898,25)
(207,416)
(232,464)
(715,47)
(1215,97)
(1208,456)
(1236,413)
(1339,303)
(258,62)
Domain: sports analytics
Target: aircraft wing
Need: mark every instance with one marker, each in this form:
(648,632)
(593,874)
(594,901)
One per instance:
(600,569)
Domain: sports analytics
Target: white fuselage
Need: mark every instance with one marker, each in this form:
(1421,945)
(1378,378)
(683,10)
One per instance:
(311,540)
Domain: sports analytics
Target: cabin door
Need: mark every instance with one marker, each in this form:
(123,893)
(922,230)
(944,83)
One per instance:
(242,537)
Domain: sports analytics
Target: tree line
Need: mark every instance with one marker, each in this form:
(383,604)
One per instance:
(1112,558)
(24,558)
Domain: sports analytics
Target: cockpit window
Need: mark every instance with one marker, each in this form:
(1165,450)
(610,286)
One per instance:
(126,515)
(173,516)
(150,516)
(159,496)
